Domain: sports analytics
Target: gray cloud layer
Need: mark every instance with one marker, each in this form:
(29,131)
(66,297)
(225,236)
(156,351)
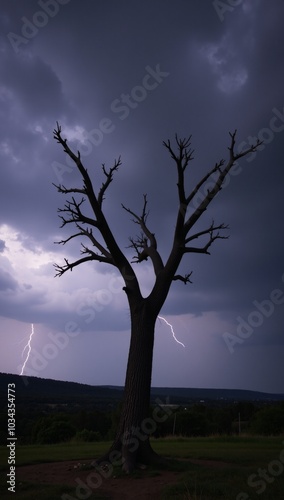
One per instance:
(89,62)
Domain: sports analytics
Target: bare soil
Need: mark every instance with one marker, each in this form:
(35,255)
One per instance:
(72,473)
(143,486)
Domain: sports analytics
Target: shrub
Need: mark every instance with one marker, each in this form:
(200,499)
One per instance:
(87,435)
(54,431)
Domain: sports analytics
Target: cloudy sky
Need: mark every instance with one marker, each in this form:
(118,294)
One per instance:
(121,77)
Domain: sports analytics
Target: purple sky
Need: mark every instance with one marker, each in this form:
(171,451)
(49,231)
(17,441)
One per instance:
(121,77)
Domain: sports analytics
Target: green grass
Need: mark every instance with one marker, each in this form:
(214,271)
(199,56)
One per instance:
(225,484)
(32,454)
(243,456)
(29,491)
(238,450)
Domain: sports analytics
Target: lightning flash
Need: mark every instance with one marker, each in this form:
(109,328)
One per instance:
(27,346)
(172,330)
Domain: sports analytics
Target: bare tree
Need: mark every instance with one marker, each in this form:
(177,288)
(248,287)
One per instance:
(143,310)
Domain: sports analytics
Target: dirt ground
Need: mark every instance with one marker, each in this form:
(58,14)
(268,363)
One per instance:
(74,473)
(115,488)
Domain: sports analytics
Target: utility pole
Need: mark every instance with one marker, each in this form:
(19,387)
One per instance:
(174,424)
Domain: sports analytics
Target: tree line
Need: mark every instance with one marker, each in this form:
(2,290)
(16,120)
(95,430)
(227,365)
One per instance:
(195,420)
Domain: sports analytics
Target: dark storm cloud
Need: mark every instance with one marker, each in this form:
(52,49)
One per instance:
(7,282)
(88,63)
(34,85)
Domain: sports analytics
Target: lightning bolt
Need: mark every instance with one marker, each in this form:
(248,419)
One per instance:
(27,346)
(172,330)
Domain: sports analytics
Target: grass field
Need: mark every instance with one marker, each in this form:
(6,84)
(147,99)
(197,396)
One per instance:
(253,468)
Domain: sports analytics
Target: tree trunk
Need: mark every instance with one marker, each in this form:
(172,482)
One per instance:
(135,425)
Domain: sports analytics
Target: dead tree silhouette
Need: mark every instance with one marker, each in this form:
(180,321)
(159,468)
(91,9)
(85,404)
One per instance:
(131,444)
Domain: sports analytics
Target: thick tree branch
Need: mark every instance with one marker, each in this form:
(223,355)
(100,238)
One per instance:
(69,266)
(99,221)
(143,311)
(217,167)
(145,245)
(211,193)
(183,226)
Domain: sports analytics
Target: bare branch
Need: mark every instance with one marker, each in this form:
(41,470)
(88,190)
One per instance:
(69,266)
(217,167)
(62,189)
(185,279)
(63,142)
(211,193)
(182,159)
(63,242)
(251,149)
(111,252)
(206,231)
(89,234)
(141,220)
(204,249)
(146,241)
(109,178)
(138,244)
(105,248)
(96,256)
(185,154)
(72,208)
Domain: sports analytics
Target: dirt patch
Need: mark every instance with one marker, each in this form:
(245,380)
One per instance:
(147,484)
(72,473)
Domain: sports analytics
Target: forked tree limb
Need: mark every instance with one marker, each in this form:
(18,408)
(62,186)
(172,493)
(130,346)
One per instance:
(145,245)
(211,193)
(99,221)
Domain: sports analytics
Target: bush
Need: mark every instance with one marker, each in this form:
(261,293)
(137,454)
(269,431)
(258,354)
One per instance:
(87,435)
(268,421)
(48,430)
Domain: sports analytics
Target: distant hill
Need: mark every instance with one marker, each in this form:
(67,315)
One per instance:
(34,391)
(40,391)
(196,394)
